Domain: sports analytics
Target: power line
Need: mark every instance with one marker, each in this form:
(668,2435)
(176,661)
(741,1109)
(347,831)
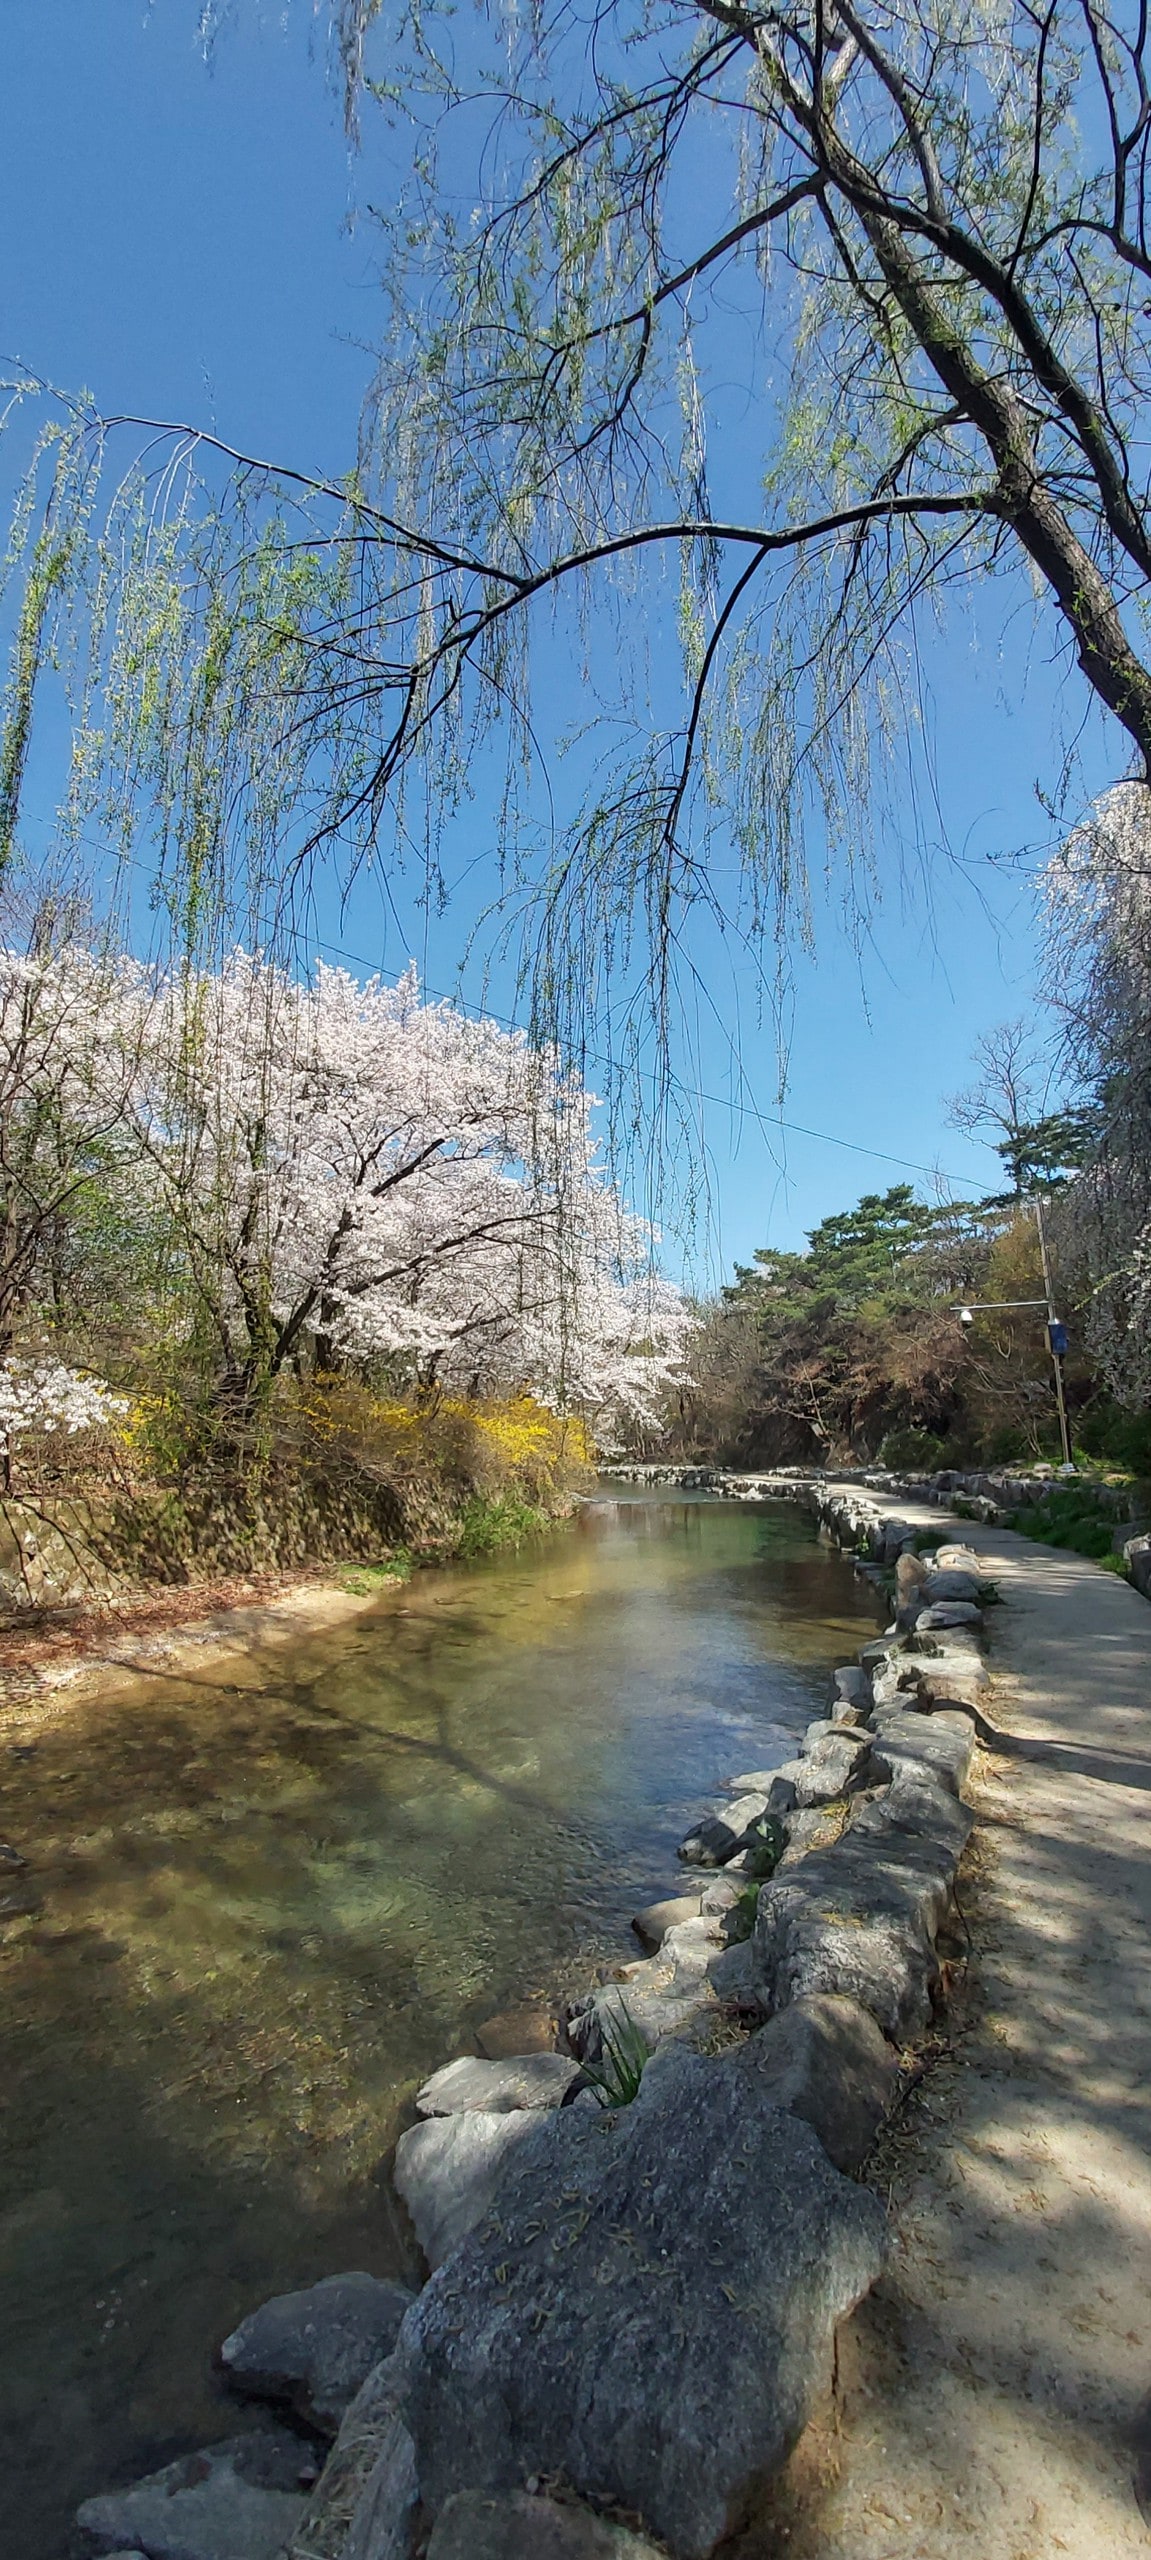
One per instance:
(692,1093)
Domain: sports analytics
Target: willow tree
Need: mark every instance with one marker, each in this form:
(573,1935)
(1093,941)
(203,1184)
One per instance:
(912,232)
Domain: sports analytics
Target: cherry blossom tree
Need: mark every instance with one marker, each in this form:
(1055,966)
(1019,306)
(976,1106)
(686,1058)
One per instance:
(356,1175)
(42,1398)
(1099,891)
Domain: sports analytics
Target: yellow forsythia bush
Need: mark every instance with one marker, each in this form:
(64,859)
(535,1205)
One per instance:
(490,1445)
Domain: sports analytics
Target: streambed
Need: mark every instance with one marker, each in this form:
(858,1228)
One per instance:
(275,1893)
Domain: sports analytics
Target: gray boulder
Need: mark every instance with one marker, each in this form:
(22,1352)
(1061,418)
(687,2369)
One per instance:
(860,1919)
(910,1575)
(1137,1558)
(651,1925)
(239,2500)
(735,1978)
(367,2504)
(952,1670)
(718,1894)
(497,2088)
(852,1686)
(709,1843)
(745,1810)
(651,2312)
(952,1584)
(831,1769)
(314,2348)
(476,2526)
(447,2170)
(948,1613)
(824,2059)
(943,1741)
(668,1995)
(812,1828)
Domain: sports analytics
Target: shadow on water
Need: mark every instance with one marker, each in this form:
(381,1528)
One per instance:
(270,1901)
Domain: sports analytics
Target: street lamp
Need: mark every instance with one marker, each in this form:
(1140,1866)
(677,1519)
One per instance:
(1056,1330)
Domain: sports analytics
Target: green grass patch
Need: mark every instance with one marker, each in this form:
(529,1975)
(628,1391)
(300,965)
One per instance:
(492,1521)
(1070,1517)
(364,1579)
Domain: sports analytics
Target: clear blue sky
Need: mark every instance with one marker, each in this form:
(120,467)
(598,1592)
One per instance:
(181,241)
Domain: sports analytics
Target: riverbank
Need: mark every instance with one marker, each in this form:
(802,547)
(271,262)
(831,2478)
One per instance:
(180,1626)
(992,2398)
(174,1629)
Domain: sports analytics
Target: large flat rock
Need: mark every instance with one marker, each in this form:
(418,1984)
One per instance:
(238,2500)
(648,2312)
(496,2088)
(314,2348)
(830,1767)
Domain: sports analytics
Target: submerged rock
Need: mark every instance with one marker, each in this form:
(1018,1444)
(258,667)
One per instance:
(239,2500)
(476,2526)
(314,2348)
(650,2312)
(528,2029)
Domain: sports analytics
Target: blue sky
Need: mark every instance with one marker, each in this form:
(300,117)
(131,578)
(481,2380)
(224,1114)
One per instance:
(182,241)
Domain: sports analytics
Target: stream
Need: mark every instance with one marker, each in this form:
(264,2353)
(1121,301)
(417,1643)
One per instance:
(272,1895)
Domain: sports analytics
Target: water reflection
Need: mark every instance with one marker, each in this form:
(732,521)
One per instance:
(273,1897)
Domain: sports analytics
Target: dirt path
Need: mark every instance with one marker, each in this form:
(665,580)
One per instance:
(991,2392)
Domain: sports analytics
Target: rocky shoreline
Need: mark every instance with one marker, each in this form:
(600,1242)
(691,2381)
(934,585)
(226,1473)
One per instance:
(641,2243)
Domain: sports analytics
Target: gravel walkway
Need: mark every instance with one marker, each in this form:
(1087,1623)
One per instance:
(993,2393)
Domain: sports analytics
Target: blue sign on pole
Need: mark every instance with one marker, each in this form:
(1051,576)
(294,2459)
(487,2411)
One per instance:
(1057,1337)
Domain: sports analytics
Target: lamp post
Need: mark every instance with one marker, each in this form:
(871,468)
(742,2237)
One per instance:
(1056,1330)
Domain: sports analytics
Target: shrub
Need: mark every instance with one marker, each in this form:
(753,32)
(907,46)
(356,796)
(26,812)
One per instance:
(624,2058)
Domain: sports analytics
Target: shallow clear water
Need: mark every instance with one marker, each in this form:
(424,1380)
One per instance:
(271,1901)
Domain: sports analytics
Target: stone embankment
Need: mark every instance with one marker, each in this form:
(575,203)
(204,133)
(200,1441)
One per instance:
(989,1494)
(641,2245)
